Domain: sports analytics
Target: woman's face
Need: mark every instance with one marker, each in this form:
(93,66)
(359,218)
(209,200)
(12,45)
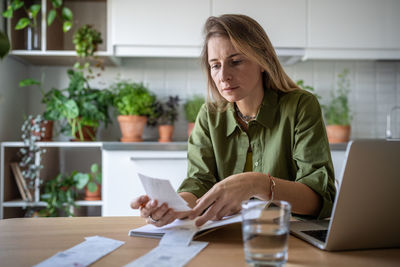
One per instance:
(234,74)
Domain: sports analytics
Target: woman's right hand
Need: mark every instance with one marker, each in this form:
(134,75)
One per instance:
(158,216)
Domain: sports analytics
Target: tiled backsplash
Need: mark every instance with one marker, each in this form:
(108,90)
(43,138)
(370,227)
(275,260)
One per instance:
(375,88)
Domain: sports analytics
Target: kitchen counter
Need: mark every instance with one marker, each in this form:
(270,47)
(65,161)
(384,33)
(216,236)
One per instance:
(174,146)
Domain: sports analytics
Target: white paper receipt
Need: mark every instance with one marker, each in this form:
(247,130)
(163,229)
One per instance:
(166,256)
(163,191)
(84,253)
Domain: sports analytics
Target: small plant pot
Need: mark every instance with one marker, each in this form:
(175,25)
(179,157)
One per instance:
(88,132)
(338,133)
(190,128)
(48,132)
(165,132)
(96,195)
(132,127)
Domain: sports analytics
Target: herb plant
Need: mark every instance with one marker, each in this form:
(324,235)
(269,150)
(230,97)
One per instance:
(133,99)
(192,107)
(337,111)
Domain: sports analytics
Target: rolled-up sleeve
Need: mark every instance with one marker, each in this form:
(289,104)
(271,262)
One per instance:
(311,153)
(201,159)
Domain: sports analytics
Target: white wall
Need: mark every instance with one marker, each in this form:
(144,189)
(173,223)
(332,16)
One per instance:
(13,99)
(375,88)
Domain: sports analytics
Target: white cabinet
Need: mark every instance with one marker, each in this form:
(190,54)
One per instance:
(354,29)
(283,20)
(121,183)
(158,27)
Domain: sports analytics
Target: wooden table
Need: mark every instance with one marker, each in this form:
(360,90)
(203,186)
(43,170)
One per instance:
(24,242)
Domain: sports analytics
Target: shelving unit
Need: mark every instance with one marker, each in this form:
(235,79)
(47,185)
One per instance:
(57,47)
(60,157)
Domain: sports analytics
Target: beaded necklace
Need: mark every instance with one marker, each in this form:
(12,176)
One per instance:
(244,118)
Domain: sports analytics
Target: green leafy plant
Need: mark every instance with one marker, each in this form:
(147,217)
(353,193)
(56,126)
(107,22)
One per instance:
(82,105)
(51,99)
(79,105)
(86,40)
(91,180)
(60,195)
(192,107)
(63,13)
(300,83)
(4,45)
(165,112)
(337,111)
(133,99)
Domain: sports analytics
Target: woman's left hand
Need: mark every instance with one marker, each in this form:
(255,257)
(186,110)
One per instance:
(224,198)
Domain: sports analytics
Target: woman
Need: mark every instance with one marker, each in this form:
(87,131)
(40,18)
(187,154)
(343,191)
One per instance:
(261,137)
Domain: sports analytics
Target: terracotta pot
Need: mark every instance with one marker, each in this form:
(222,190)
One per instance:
(132,127)
(190,128)
(165,132)
(48,132)
(88,132)
(96,195)
(338,133)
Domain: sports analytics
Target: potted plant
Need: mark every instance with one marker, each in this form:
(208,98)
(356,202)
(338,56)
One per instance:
(165,115)
(82,107)
(91,182)
(337,111)
(192,108)
(30,22)
(134,103)
(60,195)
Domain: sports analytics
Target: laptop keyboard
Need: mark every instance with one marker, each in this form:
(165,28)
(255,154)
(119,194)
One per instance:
(317,234)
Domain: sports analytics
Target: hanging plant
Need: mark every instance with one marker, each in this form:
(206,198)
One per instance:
(31,153)
(86,41)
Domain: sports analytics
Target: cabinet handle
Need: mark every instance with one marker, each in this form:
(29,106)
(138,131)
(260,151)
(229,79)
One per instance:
(159,158)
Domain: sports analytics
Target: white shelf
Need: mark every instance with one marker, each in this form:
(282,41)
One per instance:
(56,144)
(22,204)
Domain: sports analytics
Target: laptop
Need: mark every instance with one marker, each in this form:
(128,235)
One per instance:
(366,211)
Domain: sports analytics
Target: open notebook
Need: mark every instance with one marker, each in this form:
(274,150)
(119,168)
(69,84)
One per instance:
(152,231)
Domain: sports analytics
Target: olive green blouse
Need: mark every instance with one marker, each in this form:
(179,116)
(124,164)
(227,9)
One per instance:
(287,139)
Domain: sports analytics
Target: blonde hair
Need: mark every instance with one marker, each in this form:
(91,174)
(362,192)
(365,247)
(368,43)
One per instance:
(250,39)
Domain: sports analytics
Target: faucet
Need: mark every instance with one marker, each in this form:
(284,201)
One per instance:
(388,122)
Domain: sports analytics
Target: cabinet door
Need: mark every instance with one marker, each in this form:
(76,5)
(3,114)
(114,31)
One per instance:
(121,183)
(369,24)
(158,22)
(283,20)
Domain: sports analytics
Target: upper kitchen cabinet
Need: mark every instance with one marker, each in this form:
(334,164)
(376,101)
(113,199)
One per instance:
(283,20)
(55,46)
(356,29)
(158,27)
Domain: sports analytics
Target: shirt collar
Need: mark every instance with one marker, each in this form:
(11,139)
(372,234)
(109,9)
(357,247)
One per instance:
(265,115)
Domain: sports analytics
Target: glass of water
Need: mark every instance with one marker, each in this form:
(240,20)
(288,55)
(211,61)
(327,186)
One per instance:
(265,230)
